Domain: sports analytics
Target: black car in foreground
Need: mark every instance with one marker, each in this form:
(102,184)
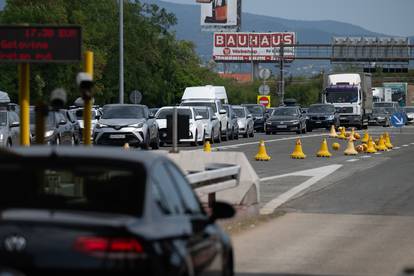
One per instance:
(100,211)
(286,119)
(322,116)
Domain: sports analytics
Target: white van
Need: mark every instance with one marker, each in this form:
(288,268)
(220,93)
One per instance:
(210,96)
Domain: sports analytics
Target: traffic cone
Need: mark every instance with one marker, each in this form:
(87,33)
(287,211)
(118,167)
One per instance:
(381,144)
(365,146)
(324,151)
(388,141)
(207,146)
(262,154)
(352,135)
(333,133)
(298,152)
(126,146)
(350,149)
(365,139)
(371,146)
(342,134)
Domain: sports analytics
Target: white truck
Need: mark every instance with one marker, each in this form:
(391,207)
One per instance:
(351,94)
(210,96)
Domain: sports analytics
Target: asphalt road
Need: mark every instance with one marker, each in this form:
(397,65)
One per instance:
(344,215)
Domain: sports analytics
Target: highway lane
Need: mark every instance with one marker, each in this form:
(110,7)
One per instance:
(356,221)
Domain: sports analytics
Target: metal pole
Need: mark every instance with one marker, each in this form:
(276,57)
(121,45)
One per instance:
(87,108)
(175,130)
(24,101)
(281,76)
(251,57)
(41,113)
(121,51)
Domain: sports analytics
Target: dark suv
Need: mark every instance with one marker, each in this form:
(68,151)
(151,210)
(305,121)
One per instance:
(259,115)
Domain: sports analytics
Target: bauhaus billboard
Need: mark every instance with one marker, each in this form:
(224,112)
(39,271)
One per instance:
(247,47)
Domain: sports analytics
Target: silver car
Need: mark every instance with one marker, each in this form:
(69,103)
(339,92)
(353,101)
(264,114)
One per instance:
(127,123)
(245,121)
(211,123)
(9,128)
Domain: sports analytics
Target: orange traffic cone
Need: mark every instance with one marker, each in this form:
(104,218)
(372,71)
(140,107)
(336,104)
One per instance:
(262,154)
(381,144)
(298,152)
(207,146)
(333,133)
(350,149)
(324,151)
(365,138)
(371,146)
(388,140)
(342,134)
(126,146)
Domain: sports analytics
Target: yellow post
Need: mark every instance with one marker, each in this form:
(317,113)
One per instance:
(24,101)
(87,110)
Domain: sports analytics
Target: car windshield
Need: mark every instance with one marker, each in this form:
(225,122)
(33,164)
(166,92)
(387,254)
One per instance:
(79,114)
(73,186)
(3,118)
(49,121)
(212,105)
(409,109)
(123,112)
(341,95)
(203,112)
(163,113)
(321,109)
(379,110)
(255,109)
(239,112)
(284,112)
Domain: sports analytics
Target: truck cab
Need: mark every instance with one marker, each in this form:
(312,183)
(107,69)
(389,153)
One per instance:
(351,94)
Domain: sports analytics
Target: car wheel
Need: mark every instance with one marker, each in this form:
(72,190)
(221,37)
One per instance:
(226,135)
(228,266)
(218,139)
(156,143)
(146,144)
(194,144)
(309,129)
(304,130)
(203,139)
(237,135)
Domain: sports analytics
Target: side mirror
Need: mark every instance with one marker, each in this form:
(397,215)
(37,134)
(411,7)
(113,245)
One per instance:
(214,118)
(15,124)
(250,116)
(222,112)
(221,210)
(62,122)
(198,117)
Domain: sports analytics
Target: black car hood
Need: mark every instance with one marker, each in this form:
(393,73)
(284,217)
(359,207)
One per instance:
(320,114)
(283,118)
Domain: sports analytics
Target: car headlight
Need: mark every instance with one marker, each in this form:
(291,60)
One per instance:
(380,118)
(98,125)
(331,117)
(294,122)
(139,125)
(48,133)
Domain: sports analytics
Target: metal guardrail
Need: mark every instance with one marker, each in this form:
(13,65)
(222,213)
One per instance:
(215,178)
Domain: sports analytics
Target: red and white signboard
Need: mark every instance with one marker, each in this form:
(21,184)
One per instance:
(245,47)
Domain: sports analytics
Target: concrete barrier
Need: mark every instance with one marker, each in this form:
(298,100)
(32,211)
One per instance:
(247,192)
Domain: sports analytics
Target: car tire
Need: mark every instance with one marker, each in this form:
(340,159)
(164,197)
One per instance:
(226,135)
(304,130)
(218,138)
(237,135)
(156,143)
(203,139)
(146,144)
(309,129)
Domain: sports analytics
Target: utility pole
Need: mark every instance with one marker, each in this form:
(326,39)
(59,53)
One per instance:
(121,51)
(281,74)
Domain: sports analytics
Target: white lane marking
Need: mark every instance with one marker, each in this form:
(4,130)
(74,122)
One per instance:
(378,153)
(273,140)
(366,156)
(352,160)
(316,175)
(405,145)
(412,143)
(397,148)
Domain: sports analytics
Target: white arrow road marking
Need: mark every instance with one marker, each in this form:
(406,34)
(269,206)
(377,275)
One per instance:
(316,175)
(398,120)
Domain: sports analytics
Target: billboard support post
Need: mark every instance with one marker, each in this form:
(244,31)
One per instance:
(281,74)
(24,98)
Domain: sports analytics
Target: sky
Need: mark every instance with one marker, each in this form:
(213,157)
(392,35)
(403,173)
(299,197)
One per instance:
(390,17)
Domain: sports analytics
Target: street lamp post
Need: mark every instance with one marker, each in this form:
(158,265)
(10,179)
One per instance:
(121,51)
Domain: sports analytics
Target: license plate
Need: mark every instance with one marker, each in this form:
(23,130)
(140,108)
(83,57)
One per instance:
(117,136)
(282,126)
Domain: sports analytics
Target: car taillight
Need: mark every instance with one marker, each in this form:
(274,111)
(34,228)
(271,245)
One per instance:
(108,245)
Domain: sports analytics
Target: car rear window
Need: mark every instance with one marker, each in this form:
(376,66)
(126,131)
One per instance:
(73,186)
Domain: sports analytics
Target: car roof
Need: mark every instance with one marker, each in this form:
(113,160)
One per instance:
(116,154)
(139,105)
